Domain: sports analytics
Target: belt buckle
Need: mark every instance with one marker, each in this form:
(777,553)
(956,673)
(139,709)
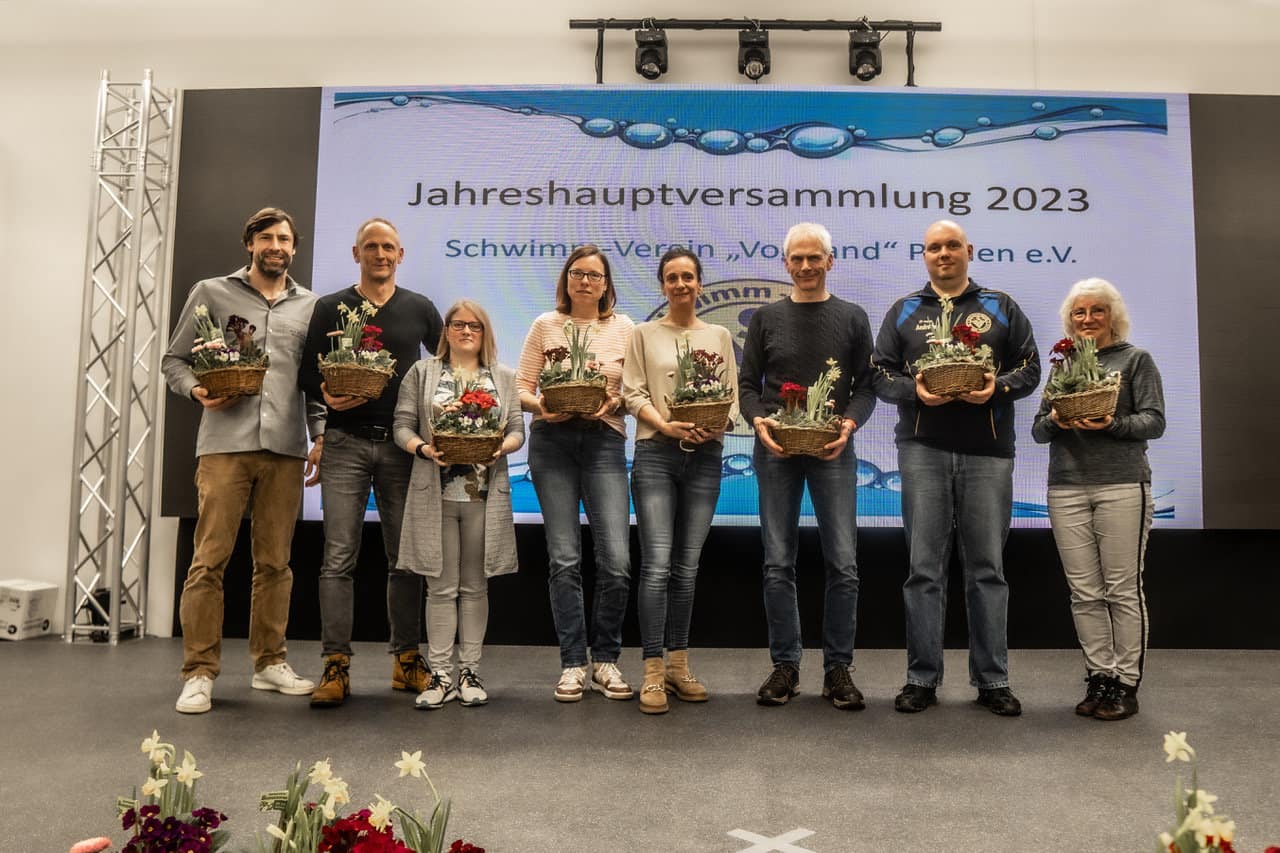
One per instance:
(376,432)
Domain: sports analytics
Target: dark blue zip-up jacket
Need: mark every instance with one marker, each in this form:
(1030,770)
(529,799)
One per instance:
(959,427)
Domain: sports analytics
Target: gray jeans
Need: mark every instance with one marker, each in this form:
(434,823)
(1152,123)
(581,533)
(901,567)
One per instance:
(1101,533)
(458,599)
(349,465)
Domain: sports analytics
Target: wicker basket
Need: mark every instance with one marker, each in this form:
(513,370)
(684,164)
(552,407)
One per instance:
(232,381)
(1086,404)
(804,441)
(576,398)
(458,449)
(950,379)
(712,415)
(352,380)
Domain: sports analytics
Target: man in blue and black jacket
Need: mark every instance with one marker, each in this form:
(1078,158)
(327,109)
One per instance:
(955,454)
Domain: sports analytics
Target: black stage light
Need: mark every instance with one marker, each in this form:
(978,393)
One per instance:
(753,53)
(864,54)
(651,53)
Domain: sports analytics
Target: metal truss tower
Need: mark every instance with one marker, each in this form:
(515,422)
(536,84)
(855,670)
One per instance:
(122,333)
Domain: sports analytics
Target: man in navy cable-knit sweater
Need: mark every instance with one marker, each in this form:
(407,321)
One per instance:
(791,341)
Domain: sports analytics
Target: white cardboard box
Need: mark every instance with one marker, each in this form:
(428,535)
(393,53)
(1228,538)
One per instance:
(26,608)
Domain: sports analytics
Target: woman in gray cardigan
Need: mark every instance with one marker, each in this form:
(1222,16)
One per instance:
(1100,503)
(458,528)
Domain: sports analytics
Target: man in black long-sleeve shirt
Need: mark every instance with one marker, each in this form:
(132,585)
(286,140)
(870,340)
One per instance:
(356,452)
(791,341)
(956,458)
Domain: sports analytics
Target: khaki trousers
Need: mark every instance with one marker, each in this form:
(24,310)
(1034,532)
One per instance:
(271,486)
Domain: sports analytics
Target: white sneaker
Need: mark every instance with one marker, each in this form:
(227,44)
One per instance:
(572,682)
(196,696)
(439,690)
(281,678)
(606,678)
(470,690)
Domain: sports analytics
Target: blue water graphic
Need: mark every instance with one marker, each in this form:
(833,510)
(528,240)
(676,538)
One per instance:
(738,122)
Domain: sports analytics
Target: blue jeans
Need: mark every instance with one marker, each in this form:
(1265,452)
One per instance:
(569,465)
(675,494)
(833,490)
(971,496)
(349,464)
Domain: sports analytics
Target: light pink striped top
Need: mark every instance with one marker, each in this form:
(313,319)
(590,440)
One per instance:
(609,343)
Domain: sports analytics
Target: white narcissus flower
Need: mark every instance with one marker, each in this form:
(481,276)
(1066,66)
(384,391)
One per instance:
(153,787)
(187,773)
(320,772)
(327,809)
(411,765)
(1211,831)
(1204,800)
(337,790)
(155,750)
(276,832)
(380,812)
(1176,747)
(202,311)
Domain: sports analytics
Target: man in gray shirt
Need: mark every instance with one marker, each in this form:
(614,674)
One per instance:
(250,452)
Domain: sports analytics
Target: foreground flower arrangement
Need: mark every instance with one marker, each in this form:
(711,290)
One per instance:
(163,816)
(357,364)
(1197,828)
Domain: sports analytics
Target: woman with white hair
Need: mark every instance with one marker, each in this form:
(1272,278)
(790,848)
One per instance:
(1100,503)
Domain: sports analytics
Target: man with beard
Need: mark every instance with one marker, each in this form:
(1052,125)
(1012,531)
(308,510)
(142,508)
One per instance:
(250,451)
(357,451)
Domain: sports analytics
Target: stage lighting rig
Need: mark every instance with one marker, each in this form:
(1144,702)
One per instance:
(651,53)
(753,53)
(864,54)
(865,58)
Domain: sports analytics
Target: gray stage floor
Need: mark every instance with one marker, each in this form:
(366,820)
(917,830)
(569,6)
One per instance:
(530,775)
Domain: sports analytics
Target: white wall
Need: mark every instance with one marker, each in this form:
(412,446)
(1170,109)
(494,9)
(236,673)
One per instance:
(52,52)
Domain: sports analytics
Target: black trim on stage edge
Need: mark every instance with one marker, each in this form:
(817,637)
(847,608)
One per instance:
(1205,589)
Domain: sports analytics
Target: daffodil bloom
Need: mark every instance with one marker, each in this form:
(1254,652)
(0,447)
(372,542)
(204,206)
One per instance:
(1176,747)
(380,812)
(1204,800)
(155,750)
(152,787)
(187,773)
(327,809)
(320,772)
(411,765)
(337,790)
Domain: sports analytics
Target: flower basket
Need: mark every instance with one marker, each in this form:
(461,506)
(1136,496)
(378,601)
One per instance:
(951,378)
(1097,403)
(578,398)
(354,380)
(709,415)
(803,440)
(466,449)
(232,381)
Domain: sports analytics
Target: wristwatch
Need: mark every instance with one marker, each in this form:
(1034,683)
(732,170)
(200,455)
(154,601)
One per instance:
(418,452)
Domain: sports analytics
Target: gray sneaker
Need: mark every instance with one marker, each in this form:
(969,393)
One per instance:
(439,690)
(470,690)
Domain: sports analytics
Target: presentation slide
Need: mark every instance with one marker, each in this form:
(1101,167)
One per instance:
(491,188)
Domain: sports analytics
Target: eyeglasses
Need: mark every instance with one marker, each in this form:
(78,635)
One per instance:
(590,275)
(1095,311)
(463,325)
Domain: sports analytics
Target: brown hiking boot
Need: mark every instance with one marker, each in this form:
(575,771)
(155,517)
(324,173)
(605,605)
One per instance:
(680,682)
(335,684)
(410,672)
(653,696)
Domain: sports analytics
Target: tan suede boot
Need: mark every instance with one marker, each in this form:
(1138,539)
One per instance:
(335,684)
(410,672)
(680,681)
(653,698)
